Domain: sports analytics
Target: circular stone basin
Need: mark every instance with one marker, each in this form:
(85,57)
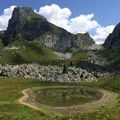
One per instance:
(66,96)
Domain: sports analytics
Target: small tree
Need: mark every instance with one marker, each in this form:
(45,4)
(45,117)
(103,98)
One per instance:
(64,68)
(71,63)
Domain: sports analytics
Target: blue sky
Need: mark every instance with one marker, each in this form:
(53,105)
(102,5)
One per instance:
(106,12)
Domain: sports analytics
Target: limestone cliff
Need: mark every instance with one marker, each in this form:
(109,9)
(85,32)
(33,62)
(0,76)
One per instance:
(84,40)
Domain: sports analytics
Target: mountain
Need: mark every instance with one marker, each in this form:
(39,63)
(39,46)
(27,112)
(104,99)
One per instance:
(113,40)
(25,24)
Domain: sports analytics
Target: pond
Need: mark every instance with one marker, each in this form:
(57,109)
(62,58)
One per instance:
(66,96)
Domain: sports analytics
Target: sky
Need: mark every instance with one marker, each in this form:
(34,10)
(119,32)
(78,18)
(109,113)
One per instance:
(98,17)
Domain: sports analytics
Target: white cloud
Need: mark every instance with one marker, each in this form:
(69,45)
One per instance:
(56,15)
(101,33)
(80,24)
(61,17)
(5,17)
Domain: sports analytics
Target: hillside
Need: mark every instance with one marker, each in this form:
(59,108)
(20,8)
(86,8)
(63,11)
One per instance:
(27,52)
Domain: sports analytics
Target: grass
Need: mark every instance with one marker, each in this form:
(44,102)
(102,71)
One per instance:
(10,91)
(79,56)
(1,45)
(10,109)
(112,55)
(27,52)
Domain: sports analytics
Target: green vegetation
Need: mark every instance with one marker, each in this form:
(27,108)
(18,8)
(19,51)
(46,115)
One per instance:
(34,17)
(112,55)
(10,109)
(1,45)
(10,91)
(27,52)
(79,56)
(37,17)
(19,52)
(64,69)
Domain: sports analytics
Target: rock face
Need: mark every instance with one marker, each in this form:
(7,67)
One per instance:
(113,39)
(84,40)
(27,25)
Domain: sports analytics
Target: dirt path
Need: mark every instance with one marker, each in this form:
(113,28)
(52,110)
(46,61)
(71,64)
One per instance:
(107,98)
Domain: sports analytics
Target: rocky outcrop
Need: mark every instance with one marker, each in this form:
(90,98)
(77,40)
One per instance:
(113,39)
(27,25)
(84,40)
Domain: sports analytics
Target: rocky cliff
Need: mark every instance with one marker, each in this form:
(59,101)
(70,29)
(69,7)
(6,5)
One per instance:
(84,40)
(113,39)
(25,24)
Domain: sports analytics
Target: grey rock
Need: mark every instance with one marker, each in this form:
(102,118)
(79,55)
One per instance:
(46,73)
(84,40)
